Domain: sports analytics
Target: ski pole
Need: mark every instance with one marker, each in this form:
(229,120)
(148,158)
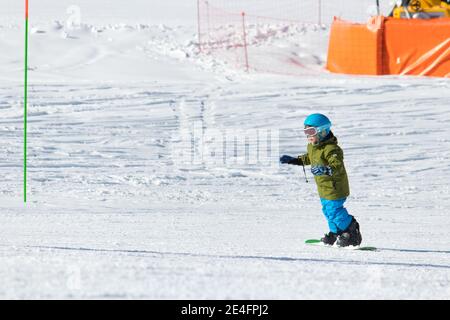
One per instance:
(25,113)
(304,171)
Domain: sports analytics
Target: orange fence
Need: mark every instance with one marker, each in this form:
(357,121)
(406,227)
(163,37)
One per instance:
(355,48)
(391,46)
(417,47)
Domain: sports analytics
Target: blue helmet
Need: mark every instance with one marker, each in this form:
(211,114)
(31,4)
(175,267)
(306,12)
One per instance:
(320,122)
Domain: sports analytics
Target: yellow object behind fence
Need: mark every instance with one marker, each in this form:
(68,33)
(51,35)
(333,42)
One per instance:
(423,9)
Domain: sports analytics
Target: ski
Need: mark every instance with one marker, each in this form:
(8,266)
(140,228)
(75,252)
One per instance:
(316,242)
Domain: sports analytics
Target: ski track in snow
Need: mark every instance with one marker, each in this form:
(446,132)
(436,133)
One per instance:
(112,212)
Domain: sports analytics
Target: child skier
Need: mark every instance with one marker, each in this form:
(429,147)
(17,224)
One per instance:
(327,165)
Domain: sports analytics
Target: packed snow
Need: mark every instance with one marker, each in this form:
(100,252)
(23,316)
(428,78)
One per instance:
(117,208)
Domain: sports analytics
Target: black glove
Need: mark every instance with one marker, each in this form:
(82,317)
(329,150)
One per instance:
(291,160)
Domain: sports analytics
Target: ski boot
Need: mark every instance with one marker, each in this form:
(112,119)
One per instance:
(329,238)
(351,236)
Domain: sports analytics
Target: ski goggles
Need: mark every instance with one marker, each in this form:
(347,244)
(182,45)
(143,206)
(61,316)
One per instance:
(310,131)
(313,131)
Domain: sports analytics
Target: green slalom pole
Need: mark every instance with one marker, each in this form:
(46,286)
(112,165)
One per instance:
(25,112)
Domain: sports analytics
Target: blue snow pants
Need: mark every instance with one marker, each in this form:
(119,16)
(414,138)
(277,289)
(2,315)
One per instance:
(337,216)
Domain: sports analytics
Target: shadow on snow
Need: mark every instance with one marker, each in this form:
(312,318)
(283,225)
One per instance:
(268,258)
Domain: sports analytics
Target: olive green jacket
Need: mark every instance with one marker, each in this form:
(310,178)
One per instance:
(328,153)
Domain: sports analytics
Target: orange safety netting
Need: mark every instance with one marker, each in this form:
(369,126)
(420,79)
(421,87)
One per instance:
(391,46)
(244,39)
(282,37)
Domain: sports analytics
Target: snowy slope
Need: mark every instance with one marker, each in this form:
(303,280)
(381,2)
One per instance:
(114,212)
